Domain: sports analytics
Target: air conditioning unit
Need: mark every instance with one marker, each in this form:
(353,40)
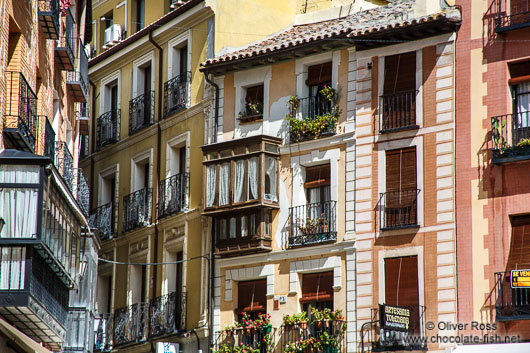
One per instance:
(112,34)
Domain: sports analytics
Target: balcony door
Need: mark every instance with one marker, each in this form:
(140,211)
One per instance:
(318,77)
(317,291)
(175,273)
(521,94)
(318,193)
(252,298)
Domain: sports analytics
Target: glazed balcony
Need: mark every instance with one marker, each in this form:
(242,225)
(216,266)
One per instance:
(398,209)
(173,195)
(311,335)
(250,339)
(510,136)
(314,223)
(162,316)
(64,50)
(375,337)
(141,112)
(397,111)
(20,124)
(104,220)
(510,303)
(137,209)
(176,94)
(510,14)
(77,79)
(108,128)
(49,18)
(315,118)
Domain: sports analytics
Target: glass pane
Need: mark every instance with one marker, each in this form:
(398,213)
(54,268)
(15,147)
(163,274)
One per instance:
(270,179)
(232,228)
(211,180)
(18,207)
(12,268)
(222,228)
(19,174)
(252,228)
(253,178)
(239,187)
(267,223)
(224,184)
(244,229)
(271,148)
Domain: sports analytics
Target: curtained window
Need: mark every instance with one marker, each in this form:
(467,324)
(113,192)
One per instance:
(270,179)
(253,178)
(224,184)
(12,268)
(211,181)
(239,189)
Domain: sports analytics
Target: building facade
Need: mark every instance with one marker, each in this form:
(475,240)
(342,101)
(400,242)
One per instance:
(492,189)
(47,248)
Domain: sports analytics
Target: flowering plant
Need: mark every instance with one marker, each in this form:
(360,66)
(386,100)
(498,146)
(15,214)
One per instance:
(252,108)
(64,5)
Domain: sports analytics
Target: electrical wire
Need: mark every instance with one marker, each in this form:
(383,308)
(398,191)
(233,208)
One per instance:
(153,263)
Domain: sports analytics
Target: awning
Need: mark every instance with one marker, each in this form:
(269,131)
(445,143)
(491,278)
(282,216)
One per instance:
(20,339)
(494,348)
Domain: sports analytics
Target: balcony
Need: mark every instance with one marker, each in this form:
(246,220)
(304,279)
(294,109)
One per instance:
(20,124)
(82,193)
(103,220)
(77,80)
(108,128)
(176,94)
(314,223)
(510,303)
(49,138)
(173,195)
(49,18)
(317,336)
(137,209)
(510,136)
(397,111)
(383,335)
(251,340)
(137,323)
(511,14)
(64,162)
(64,50)
(141,112)
(398,209)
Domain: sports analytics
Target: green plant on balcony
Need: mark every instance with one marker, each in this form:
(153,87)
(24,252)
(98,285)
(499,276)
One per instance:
(313,225)
(498,139)
(295,319)
(253,111)
(524,142)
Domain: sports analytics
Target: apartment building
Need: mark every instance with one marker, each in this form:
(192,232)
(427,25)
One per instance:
(493,74)
(48,252)
(329,182)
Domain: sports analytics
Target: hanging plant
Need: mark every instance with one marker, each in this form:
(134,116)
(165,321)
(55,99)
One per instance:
(64,6)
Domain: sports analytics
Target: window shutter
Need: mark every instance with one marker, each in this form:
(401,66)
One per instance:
(401,169)
(519,73)
(252,295)
(519,256)
(319,74)
(317,287)
(401,281)
(400,73)
(317,176)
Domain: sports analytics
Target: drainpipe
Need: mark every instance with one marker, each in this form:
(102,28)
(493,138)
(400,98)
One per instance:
(93,109)
(158,149)
(206,73)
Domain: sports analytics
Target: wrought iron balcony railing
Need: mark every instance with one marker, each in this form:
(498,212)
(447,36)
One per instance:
(323,336)
(82,193)
(65,164)
(309,110)
(375,337)
(64,51)
(173,195)
(511,14)
(108,128)
(137,209)
(77,79)
(397,111)
(161,316)
(510,303)
(49,18)
(252,339)
(21,112)
(103,219)
(313,223)
(141,112)
(398,209)
(49,139)
(176,93)
(510,136)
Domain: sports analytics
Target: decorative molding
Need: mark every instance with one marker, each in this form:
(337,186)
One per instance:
(315,265)
(249,273)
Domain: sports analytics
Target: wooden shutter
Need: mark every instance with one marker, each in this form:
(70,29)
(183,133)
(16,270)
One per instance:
(401,169)
(519,73)
(319,74)
(317,176)
(519,256)
(317,287)
(401,281)
(400,73)
(254,94)
(252,295)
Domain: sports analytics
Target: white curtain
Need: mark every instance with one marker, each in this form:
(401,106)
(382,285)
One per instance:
(244,230)
(270,166)
(211,178)
(12,268)
(523,104)
(232,228)
(18,206)
(239,181)
(224,184)
(253,177)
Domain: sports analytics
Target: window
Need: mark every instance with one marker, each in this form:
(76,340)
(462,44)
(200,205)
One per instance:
(520,83)
(175,273)
(318,77)
(104,294)
(253,178)
(138,277)
(141,177)
(317,183)
(253,109)
(140,14)
(270,179)
(224,184)
(211,183)
(252,297)
(520,243)
(317,291)
(400,73)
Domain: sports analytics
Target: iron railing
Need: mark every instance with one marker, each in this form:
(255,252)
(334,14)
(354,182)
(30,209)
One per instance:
(65,164)
(21,108)
(375,338)
(141,112)
(253,339)
(48,146)
(167,314)
(309,109)
(83,146)
(137,209)
(176,92)
(103,219)
(173,195)
(80,73)
(333,330)
(510,303)
(108,128)
(67,37)
(49,18)
(161,316)
(313,223)
(511,14)
(510,135)
(397,111)
(398,209)
(82,193)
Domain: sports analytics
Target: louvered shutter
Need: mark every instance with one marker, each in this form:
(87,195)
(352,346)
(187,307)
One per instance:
(400,73)
(252,296)
(401,169)
(317,287)
(317,176)
(319,74)
(519,256)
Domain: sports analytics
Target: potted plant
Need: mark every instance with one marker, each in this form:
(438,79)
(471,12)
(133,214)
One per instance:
(302,319)
(253,111)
